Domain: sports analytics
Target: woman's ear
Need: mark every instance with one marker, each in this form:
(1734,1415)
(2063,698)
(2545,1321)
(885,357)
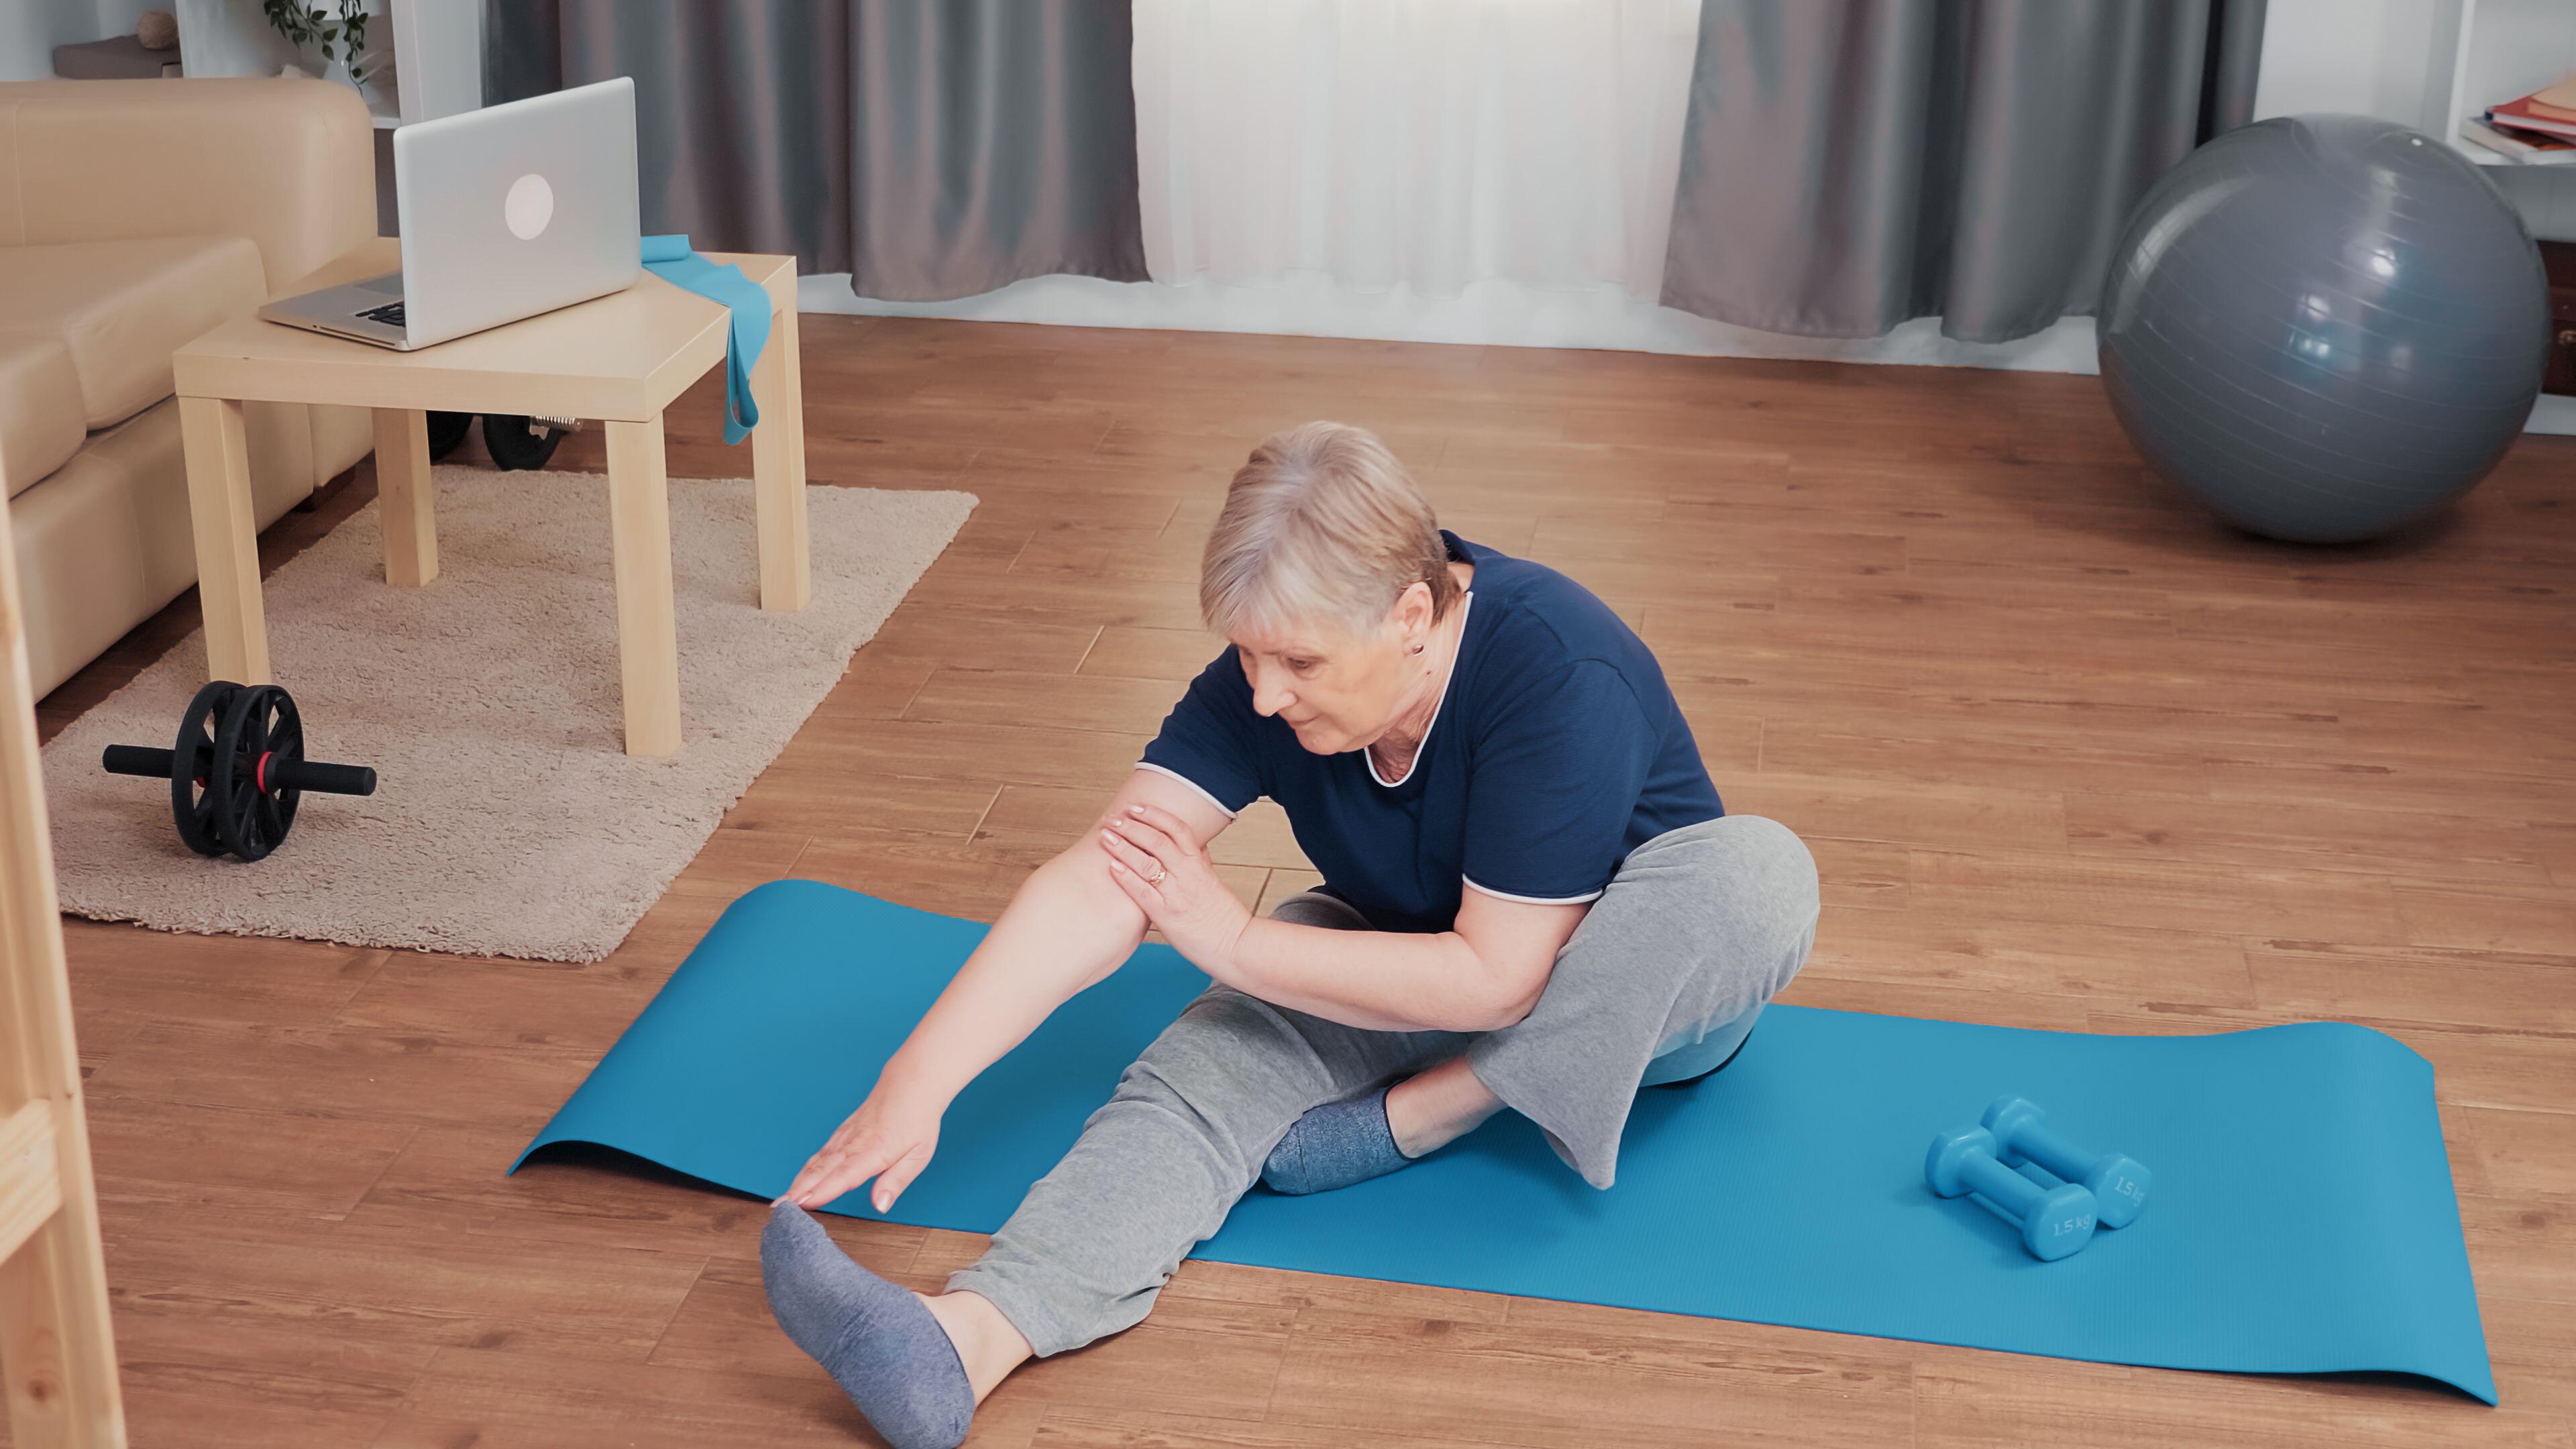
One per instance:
(1411,616)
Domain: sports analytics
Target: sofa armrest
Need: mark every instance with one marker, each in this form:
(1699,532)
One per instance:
(289,164)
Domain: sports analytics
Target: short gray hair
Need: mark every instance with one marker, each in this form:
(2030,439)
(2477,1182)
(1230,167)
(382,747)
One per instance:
(1320,526)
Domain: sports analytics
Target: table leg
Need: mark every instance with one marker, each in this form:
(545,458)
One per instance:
(226,525)
(778,469)
(403,496)
(648,646)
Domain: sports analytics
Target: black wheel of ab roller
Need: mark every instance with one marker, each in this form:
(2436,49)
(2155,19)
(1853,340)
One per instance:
(260,728)
(519,442)
(192,798)
(447,432)
(237,770)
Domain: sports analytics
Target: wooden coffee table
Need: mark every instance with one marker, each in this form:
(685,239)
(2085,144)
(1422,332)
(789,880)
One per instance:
(618,360)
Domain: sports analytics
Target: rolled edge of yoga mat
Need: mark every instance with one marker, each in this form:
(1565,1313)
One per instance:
(2304,1221)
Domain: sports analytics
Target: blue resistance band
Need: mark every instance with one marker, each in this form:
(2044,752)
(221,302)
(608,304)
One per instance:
(670,258)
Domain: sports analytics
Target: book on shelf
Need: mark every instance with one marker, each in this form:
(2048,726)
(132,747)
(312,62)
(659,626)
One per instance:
(2558,100)
(2531,148)
(2550,111)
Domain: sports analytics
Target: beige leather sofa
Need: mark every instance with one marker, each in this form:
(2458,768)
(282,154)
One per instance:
(135,215)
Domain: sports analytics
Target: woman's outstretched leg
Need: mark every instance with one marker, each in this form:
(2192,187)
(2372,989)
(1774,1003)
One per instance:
(1158,1167)
(1086,1254)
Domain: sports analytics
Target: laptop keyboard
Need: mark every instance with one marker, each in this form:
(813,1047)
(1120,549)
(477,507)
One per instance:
(390,314)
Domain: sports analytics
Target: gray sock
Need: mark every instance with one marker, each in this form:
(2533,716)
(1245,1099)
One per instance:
(880,1342)
(1335,1145)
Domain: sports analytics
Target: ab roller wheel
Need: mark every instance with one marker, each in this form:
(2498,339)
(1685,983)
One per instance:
(447,433)
(237,770)
(515,441)
(520,442)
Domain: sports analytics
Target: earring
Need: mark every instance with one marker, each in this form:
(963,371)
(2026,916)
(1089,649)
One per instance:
(1417,648)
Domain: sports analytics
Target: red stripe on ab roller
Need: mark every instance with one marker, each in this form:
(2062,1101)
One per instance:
(2056,1192)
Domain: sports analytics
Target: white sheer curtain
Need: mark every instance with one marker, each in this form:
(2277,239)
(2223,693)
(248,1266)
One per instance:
(1429,143)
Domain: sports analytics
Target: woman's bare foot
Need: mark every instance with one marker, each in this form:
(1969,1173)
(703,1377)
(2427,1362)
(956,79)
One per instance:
(985,1341)
(1436,1106)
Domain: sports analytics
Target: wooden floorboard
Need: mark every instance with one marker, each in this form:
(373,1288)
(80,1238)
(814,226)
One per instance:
(2071,755)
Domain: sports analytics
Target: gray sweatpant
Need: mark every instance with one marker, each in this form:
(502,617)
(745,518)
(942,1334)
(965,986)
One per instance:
(1661,981)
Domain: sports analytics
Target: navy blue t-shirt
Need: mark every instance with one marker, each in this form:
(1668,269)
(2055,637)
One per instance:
(1557,748)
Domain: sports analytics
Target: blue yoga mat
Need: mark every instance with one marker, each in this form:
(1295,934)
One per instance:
(2303,1218)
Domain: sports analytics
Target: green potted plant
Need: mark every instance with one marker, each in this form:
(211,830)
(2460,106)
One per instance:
(338,36)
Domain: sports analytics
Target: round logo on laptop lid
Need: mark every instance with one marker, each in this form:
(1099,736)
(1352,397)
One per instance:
(530,205)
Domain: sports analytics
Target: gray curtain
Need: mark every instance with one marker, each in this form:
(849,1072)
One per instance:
(930,148)
(1850,164)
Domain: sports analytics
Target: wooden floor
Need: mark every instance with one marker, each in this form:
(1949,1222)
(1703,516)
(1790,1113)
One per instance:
(2069,755)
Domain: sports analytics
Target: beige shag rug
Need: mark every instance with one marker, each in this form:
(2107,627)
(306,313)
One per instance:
(507,820)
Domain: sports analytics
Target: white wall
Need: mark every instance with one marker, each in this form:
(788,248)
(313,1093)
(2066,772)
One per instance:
(229,37)
(117,17)
(30,29)
(2363,56)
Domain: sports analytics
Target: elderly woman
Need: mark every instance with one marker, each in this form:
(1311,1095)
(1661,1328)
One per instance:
(1532,899)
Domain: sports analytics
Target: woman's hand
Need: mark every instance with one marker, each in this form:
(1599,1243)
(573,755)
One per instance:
(1154,858)
(890,1138)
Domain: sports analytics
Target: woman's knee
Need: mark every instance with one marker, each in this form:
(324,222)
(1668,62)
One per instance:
(1751,858)
(1228,1063)
(1735,892)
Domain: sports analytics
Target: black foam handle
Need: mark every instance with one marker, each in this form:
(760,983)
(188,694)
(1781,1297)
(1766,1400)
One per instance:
(137,760)
(324,779)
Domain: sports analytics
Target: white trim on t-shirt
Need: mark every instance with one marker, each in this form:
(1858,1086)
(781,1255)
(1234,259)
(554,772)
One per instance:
(1533,900)
(1466,601)
(1186,780)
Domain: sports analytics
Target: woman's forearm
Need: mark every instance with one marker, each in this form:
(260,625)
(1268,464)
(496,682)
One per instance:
(1066,929)
(1377,980)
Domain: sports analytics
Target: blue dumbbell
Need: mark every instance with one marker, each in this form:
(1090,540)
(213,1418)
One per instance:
(2053,1221)
(2118,1181)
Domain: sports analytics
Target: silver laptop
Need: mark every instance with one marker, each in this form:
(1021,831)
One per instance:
(505,212)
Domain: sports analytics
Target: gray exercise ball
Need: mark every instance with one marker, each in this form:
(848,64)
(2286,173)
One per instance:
(2324,326)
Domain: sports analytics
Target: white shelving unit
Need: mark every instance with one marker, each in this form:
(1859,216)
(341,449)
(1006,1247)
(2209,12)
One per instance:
(437,52)
(438,59)
(2488,51)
